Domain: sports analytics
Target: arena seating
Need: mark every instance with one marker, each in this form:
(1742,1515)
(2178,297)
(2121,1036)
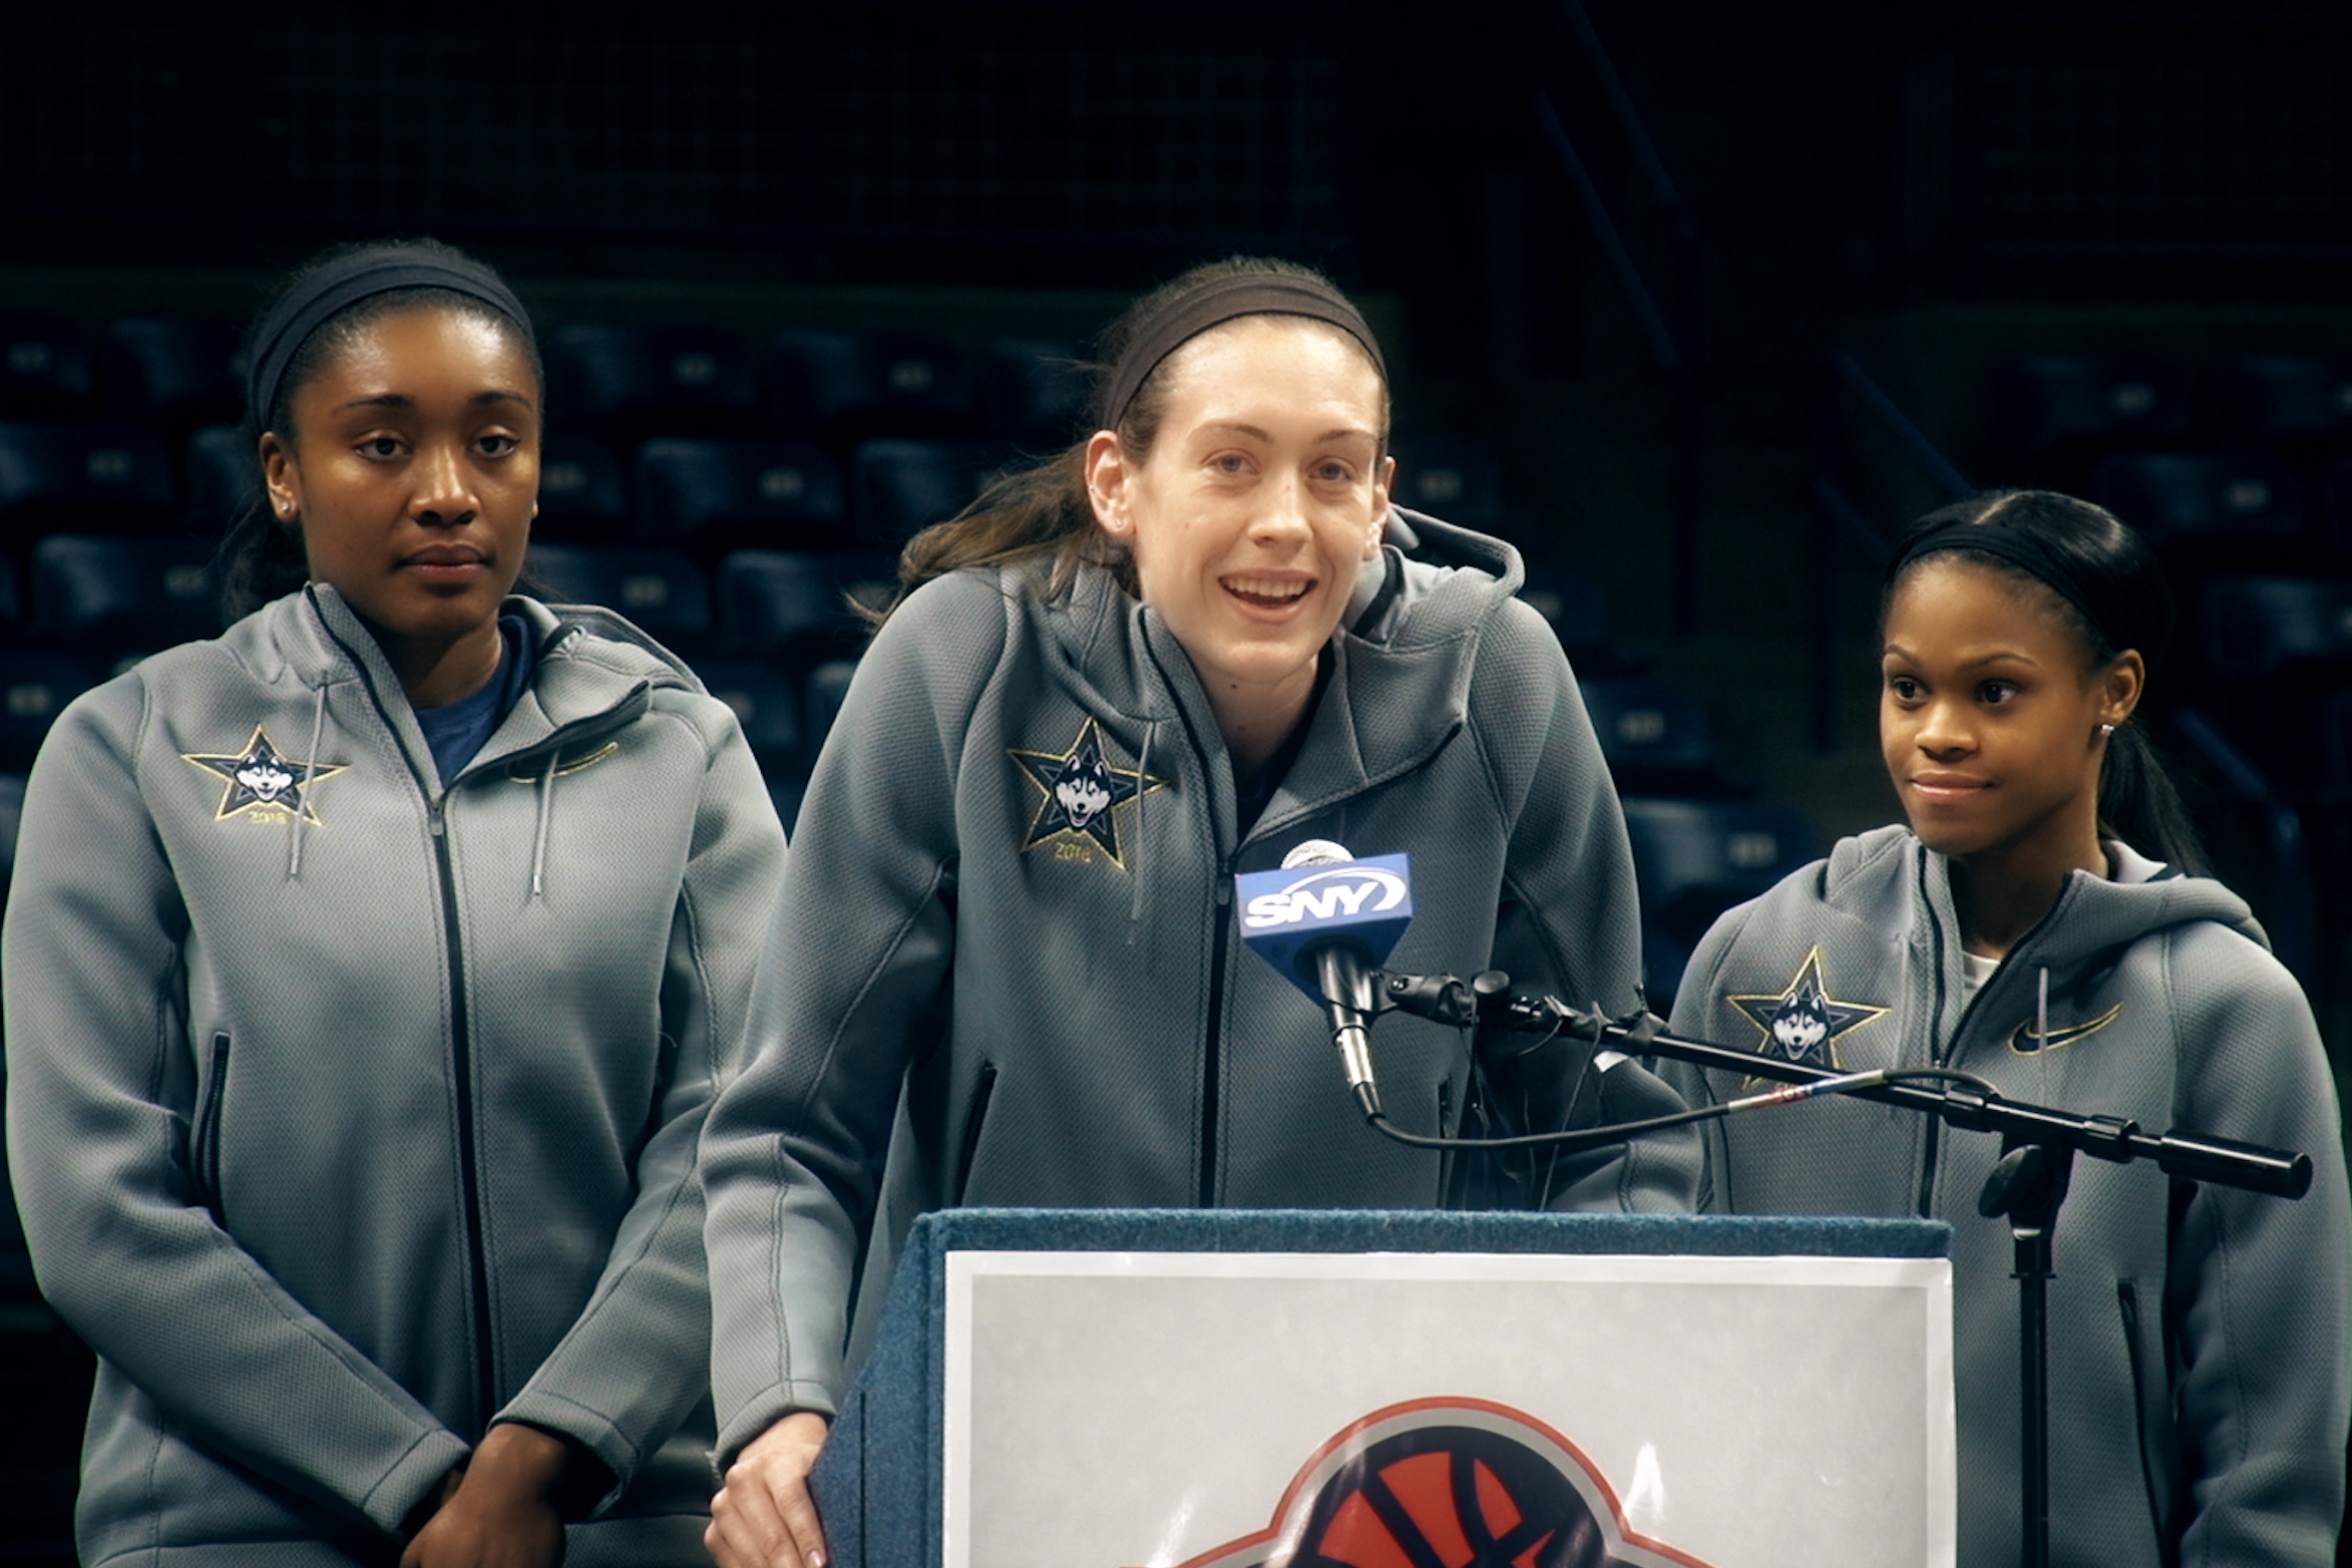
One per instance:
(2238,469)
(1696,857)
(734,497)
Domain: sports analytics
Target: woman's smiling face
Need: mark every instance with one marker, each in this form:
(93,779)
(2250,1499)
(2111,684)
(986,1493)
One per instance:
(1262,497)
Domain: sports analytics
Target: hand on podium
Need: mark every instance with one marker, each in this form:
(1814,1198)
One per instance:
(764,1518)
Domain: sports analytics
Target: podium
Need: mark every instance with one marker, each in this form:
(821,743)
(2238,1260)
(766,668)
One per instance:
(1232,1388)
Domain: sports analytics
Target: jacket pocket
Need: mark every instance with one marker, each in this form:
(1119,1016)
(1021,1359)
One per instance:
(205,1143)
(968,1147)
(2128,1303)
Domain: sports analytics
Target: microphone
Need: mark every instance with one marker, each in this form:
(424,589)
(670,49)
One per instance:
(1327,922)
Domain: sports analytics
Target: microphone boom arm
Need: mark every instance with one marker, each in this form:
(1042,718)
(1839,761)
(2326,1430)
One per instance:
(2193,1156)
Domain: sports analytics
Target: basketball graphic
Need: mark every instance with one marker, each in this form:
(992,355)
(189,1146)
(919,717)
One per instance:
(1447,1483)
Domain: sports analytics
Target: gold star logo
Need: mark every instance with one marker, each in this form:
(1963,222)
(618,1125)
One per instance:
(1083,792)
(1801,1022)
(263,784)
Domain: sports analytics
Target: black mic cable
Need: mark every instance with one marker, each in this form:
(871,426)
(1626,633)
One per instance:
(1445,999)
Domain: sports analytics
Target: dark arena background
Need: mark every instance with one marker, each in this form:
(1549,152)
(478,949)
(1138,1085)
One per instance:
(1696,301)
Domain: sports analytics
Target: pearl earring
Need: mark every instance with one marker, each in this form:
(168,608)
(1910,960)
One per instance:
(2106,730)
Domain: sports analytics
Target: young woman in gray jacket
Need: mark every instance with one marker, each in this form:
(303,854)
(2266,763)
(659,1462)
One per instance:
(1174,652)
(369,971)
(2200,1336)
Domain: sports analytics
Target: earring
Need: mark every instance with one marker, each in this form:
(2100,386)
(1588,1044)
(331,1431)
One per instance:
(2106,730)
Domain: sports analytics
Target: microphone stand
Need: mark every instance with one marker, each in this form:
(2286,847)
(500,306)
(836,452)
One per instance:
(2029,1184)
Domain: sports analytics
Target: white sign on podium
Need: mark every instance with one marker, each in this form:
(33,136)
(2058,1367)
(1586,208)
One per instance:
(1239,1410)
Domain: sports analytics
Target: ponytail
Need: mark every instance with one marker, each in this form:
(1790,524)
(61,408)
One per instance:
(2138,805)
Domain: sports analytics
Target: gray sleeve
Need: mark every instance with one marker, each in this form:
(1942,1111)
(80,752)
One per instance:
(98,1113)
(2258,1295)
(1570,921)
(635,1362)
(861,944)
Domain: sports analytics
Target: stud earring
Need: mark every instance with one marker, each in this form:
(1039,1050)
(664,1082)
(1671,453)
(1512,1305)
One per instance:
(2106,730)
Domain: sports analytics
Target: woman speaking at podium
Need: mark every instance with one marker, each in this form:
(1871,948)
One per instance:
(1171,653)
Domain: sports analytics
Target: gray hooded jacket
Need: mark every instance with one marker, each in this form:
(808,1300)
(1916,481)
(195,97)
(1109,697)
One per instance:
(350,1110)
(2200,1336)
(1013,878)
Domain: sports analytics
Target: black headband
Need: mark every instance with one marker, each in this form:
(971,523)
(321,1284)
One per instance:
(346,281)
(1214,305)
(2099,607)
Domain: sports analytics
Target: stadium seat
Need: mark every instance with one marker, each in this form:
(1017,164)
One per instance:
(2335,506)
(794,606)
(175,374)
(1652,734)
(719,494)
(646,379)
(34,689)
(765,705)
(581,493)
(1038,391)
(223,477)
(122,595)
(2258,626)
(2280,400)
(44,366)
(1694,859)
(661,591)
(91,476)
(2171,495)
(1451,479)
(850,385)
(2114,401)
(902,487)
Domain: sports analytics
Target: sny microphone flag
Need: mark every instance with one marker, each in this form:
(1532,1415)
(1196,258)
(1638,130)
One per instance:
(1363,904)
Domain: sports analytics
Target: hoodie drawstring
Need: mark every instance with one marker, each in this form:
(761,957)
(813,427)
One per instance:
(1142,795)
(302,799)
(539,842)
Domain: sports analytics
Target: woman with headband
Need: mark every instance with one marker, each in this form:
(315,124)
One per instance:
(369,971)
(1176,651)
(2043,923)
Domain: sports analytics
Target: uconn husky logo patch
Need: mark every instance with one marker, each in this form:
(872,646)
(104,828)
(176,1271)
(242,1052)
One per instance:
(1083,792)
(1447,1483)
(1801,1022)
(262,783)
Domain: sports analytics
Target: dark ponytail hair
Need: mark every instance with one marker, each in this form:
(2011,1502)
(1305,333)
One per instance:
(1041,513)
(2104,582)
(261,556)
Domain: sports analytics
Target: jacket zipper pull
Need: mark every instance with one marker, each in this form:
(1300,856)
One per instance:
(433,817)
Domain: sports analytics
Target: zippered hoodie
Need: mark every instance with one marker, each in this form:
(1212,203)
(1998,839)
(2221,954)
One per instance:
(352,1109)
(1013,878)
(2199,1335)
